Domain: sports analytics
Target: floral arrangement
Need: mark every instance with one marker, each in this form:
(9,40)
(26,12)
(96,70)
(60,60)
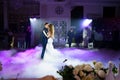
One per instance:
(85,71)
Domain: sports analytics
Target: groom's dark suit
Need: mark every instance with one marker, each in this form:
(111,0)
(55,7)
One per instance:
(44,42)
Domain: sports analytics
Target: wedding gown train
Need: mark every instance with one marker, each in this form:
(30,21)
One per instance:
(52,54)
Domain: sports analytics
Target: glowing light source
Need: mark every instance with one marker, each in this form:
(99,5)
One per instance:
(30,19)
(33,19)
(86,22)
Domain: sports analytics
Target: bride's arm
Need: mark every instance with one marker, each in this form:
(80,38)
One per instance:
(47,35)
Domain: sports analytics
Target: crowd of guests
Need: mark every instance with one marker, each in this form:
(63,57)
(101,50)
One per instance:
(98,37)
(107,39)
(78,37)
(72,37)
(11,38)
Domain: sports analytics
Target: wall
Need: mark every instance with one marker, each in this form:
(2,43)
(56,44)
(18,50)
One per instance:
(92,9)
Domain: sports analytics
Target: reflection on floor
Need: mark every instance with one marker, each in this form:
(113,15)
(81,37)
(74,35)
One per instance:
(27,64)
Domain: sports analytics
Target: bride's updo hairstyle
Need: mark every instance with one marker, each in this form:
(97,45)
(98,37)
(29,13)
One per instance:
(51,29)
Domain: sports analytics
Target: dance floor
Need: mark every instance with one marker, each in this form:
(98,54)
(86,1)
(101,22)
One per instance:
(27,63)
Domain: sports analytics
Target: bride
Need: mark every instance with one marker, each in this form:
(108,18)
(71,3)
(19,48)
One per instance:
(51,54)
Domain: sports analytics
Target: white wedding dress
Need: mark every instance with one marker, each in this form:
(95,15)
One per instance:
(52,54)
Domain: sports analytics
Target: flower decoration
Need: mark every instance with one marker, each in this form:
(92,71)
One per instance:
(86,71)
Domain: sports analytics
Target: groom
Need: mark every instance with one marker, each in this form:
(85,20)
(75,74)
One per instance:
(44,39)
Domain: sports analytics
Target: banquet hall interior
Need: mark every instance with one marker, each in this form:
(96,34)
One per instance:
(86,40)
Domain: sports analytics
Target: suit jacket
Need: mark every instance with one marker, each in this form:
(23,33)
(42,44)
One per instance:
(44,38)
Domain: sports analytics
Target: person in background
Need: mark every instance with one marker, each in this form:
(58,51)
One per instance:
(86,36)
(28,37)
(77,38)
(10,39)
(0,66)
(115,38)
(98,38)
(70,36)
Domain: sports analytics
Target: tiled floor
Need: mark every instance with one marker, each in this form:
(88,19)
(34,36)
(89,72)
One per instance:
(27,64)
